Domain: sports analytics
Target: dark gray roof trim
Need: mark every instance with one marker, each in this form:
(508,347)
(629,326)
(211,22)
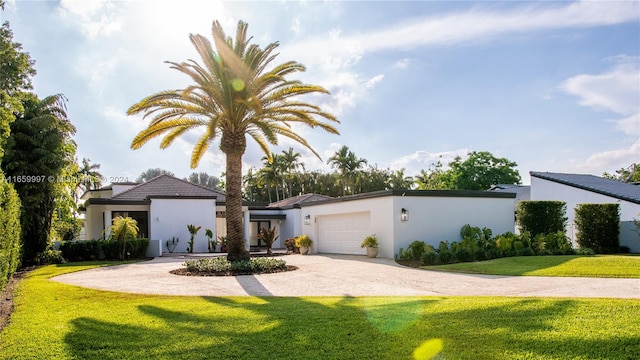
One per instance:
(612,188)
(267,217)
(419,193)
(102,201)
(297,201)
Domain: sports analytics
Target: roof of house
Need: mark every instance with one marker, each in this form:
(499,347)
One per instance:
(297,201)
(417,193)
(612,188)
(523,192)
(166,186)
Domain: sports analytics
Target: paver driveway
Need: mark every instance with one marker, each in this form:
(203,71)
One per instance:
(340,275)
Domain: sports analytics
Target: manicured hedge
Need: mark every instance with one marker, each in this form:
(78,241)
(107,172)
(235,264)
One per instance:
(598,227)
(542,217)
(10,236)
(88,250)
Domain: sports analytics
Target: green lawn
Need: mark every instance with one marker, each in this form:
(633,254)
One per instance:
(57,321)
(606,266)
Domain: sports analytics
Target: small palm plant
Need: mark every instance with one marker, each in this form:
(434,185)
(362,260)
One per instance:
(269,236)
(211,244)
(193,230)
(123,230)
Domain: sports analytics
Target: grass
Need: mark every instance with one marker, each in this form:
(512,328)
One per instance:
(604,266)
(54,320)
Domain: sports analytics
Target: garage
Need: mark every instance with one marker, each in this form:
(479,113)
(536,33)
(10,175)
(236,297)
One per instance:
(342,233)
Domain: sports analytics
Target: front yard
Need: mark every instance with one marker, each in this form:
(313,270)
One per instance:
(54,320)
(602,266)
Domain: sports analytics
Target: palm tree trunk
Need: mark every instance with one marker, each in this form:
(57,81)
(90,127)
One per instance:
(233,146)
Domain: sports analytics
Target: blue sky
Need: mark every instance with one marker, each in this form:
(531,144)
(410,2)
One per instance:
(553,86)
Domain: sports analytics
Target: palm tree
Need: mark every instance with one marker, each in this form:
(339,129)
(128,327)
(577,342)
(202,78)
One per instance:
(348,164)
(291,163)
(232,96)
(90,177)
(268,175)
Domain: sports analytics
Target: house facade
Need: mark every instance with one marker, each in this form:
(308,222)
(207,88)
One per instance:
(576,189)
(164,206)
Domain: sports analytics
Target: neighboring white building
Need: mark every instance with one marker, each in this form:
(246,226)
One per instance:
(576,189)
(165,205)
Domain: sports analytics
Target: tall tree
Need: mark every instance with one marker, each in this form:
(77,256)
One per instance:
(290,164)
(16,70)
(269,175)
(481,170)
(151,173)
(630,174)
(236,92)
(204,179)
(345,161)
(37,151)
(435,178)
(88,175)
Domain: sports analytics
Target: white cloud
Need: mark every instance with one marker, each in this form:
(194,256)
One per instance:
(611,160)
(616,90)
(419,160)
(94,17)
(402,64)
(295,25)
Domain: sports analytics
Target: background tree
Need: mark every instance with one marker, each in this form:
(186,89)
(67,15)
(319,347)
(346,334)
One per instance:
(232,96)
(16,70)
(152,173)
(290,162)
(204,179)
(398,180)
(481,170)
(39,145)
(89,176)
(435,178)
(348,164)
(630,174)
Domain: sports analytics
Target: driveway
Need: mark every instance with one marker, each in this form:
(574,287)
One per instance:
(340,275)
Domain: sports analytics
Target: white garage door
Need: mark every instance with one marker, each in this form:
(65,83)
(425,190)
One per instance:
(342,233)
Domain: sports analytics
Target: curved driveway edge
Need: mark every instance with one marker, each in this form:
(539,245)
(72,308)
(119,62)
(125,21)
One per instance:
(340,275)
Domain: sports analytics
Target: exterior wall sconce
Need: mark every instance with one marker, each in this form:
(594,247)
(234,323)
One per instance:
(307,219)
(404,215)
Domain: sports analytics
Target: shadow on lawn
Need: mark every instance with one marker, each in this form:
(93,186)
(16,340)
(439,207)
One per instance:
(347,328)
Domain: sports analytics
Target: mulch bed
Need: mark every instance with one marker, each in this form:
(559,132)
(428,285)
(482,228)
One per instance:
(6,297)
(184,272)
(410,263)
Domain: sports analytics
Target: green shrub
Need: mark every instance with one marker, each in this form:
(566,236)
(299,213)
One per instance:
(430,257)
(463,254)
(10,231)
(89,250)
(585,251)
(220,264)
(598,227)
(541,217)
(445,256)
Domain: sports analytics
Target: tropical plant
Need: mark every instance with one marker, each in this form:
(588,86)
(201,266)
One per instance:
(172,244)
(123,229)
(269,236)
(211,244)
(204,179)
(348,164)
(481,170)
(223,241)
(152,173)
(236,92)
(193,231)
(38,150)
(303,241)
(369,241)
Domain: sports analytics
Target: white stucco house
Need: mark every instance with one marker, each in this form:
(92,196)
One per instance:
(165,205)
(576,189)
